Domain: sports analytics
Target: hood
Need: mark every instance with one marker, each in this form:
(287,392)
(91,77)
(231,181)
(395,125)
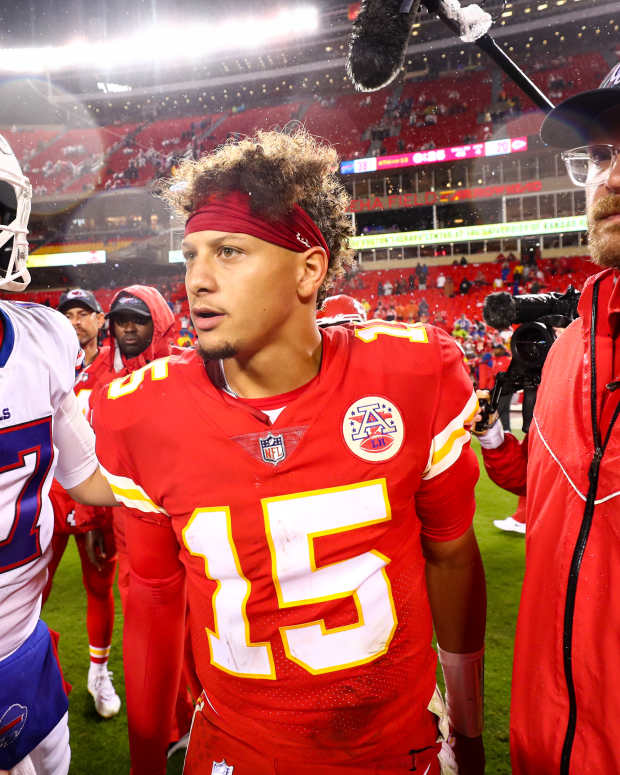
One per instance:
(163,331)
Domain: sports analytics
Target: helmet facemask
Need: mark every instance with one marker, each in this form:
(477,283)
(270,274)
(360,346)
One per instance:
(15,198)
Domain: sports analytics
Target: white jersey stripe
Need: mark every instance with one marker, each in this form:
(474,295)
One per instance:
(446,446)
(131,494)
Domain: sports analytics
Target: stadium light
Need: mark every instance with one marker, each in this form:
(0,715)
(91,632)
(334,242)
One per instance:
(166,43)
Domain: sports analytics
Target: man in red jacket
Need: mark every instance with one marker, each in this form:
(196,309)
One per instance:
(565,705)
(141,330)
(84,313)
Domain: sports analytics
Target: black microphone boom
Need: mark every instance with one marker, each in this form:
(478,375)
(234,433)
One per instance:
(381,35)
(501,58)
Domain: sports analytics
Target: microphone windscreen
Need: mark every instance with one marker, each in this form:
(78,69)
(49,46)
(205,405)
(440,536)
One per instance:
(379,42)
(499,310)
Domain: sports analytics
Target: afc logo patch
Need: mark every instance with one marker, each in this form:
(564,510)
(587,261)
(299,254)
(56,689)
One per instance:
(373,428)
(272,448)
(12,722)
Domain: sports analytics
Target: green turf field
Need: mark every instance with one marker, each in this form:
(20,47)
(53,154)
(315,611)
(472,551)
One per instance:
(100,747)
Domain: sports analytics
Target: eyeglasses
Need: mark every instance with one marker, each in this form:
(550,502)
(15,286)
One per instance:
(590,165)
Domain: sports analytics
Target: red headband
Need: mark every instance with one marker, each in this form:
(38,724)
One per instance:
(231,212)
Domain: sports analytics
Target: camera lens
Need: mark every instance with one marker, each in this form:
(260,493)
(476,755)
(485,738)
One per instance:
(530,344)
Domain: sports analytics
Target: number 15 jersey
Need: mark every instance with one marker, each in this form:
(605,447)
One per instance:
(311,627)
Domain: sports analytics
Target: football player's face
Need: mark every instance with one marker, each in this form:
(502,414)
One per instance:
(85,322)
(133,333)
(242,291)
(603,212)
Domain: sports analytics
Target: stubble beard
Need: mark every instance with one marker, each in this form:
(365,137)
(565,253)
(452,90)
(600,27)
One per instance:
(216,353)
(604,238)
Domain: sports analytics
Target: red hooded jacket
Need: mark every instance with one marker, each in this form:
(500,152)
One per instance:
(163,333)
(565,701)
(110,364)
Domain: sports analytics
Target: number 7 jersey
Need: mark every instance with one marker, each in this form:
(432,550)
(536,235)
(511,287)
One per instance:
(39,354)
(311,627)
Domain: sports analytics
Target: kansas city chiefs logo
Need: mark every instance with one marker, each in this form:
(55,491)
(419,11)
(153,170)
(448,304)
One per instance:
(373,428)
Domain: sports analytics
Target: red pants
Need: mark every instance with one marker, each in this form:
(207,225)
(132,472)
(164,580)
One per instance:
(184,706)
(98,586)
(208,745)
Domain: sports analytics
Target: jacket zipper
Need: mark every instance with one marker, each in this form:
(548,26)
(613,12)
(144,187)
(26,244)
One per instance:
(580,546)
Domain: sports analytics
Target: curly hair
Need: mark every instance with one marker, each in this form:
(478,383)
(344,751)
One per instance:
(278,169)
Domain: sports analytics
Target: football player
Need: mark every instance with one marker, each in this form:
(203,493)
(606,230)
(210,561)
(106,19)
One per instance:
(312,489)
(84,312)
(42,434)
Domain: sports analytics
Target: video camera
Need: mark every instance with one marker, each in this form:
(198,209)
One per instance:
(539,314)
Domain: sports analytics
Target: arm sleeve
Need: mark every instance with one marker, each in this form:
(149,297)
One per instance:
(506,465)
(445,500)
(75,441)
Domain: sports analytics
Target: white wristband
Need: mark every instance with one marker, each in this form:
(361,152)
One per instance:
(494,437)
(464,678)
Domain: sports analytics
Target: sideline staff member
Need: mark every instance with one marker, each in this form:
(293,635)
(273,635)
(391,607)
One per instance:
(565,701)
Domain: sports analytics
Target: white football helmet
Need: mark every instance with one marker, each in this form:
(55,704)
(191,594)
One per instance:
(340,309)
(14,274)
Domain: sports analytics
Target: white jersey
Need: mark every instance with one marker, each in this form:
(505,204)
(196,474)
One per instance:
(38,358)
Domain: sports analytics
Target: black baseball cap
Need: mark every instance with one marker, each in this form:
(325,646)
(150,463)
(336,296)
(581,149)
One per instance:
(129,304)
(78,297)
(586,117)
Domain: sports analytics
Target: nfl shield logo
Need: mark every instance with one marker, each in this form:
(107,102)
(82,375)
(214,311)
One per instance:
(221,768)
(272,448)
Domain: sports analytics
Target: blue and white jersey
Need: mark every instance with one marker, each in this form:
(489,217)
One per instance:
(38,357)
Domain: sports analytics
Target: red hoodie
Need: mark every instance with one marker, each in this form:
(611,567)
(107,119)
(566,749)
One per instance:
(163,332)
(110,364)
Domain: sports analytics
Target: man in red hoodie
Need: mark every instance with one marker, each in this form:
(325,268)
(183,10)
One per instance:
(141,330)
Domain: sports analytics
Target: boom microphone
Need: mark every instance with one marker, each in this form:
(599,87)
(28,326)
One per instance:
(501,310)
(379,42)
(381,35)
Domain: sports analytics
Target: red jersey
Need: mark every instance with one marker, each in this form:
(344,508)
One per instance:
(310,620)
(97,373)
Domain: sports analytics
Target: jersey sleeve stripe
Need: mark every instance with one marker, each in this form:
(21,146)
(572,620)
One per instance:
(448,443)
(131,494)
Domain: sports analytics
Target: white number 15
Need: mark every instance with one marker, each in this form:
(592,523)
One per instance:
(292,524)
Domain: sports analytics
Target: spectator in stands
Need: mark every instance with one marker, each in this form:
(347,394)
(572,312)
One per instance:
(480,279)
(380,311)
(380,289)
(463,261)
(387,288)
(505,271)
(441,280)
(448,289)
(464,286)
(411,312)
(411,282)
(423,310)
